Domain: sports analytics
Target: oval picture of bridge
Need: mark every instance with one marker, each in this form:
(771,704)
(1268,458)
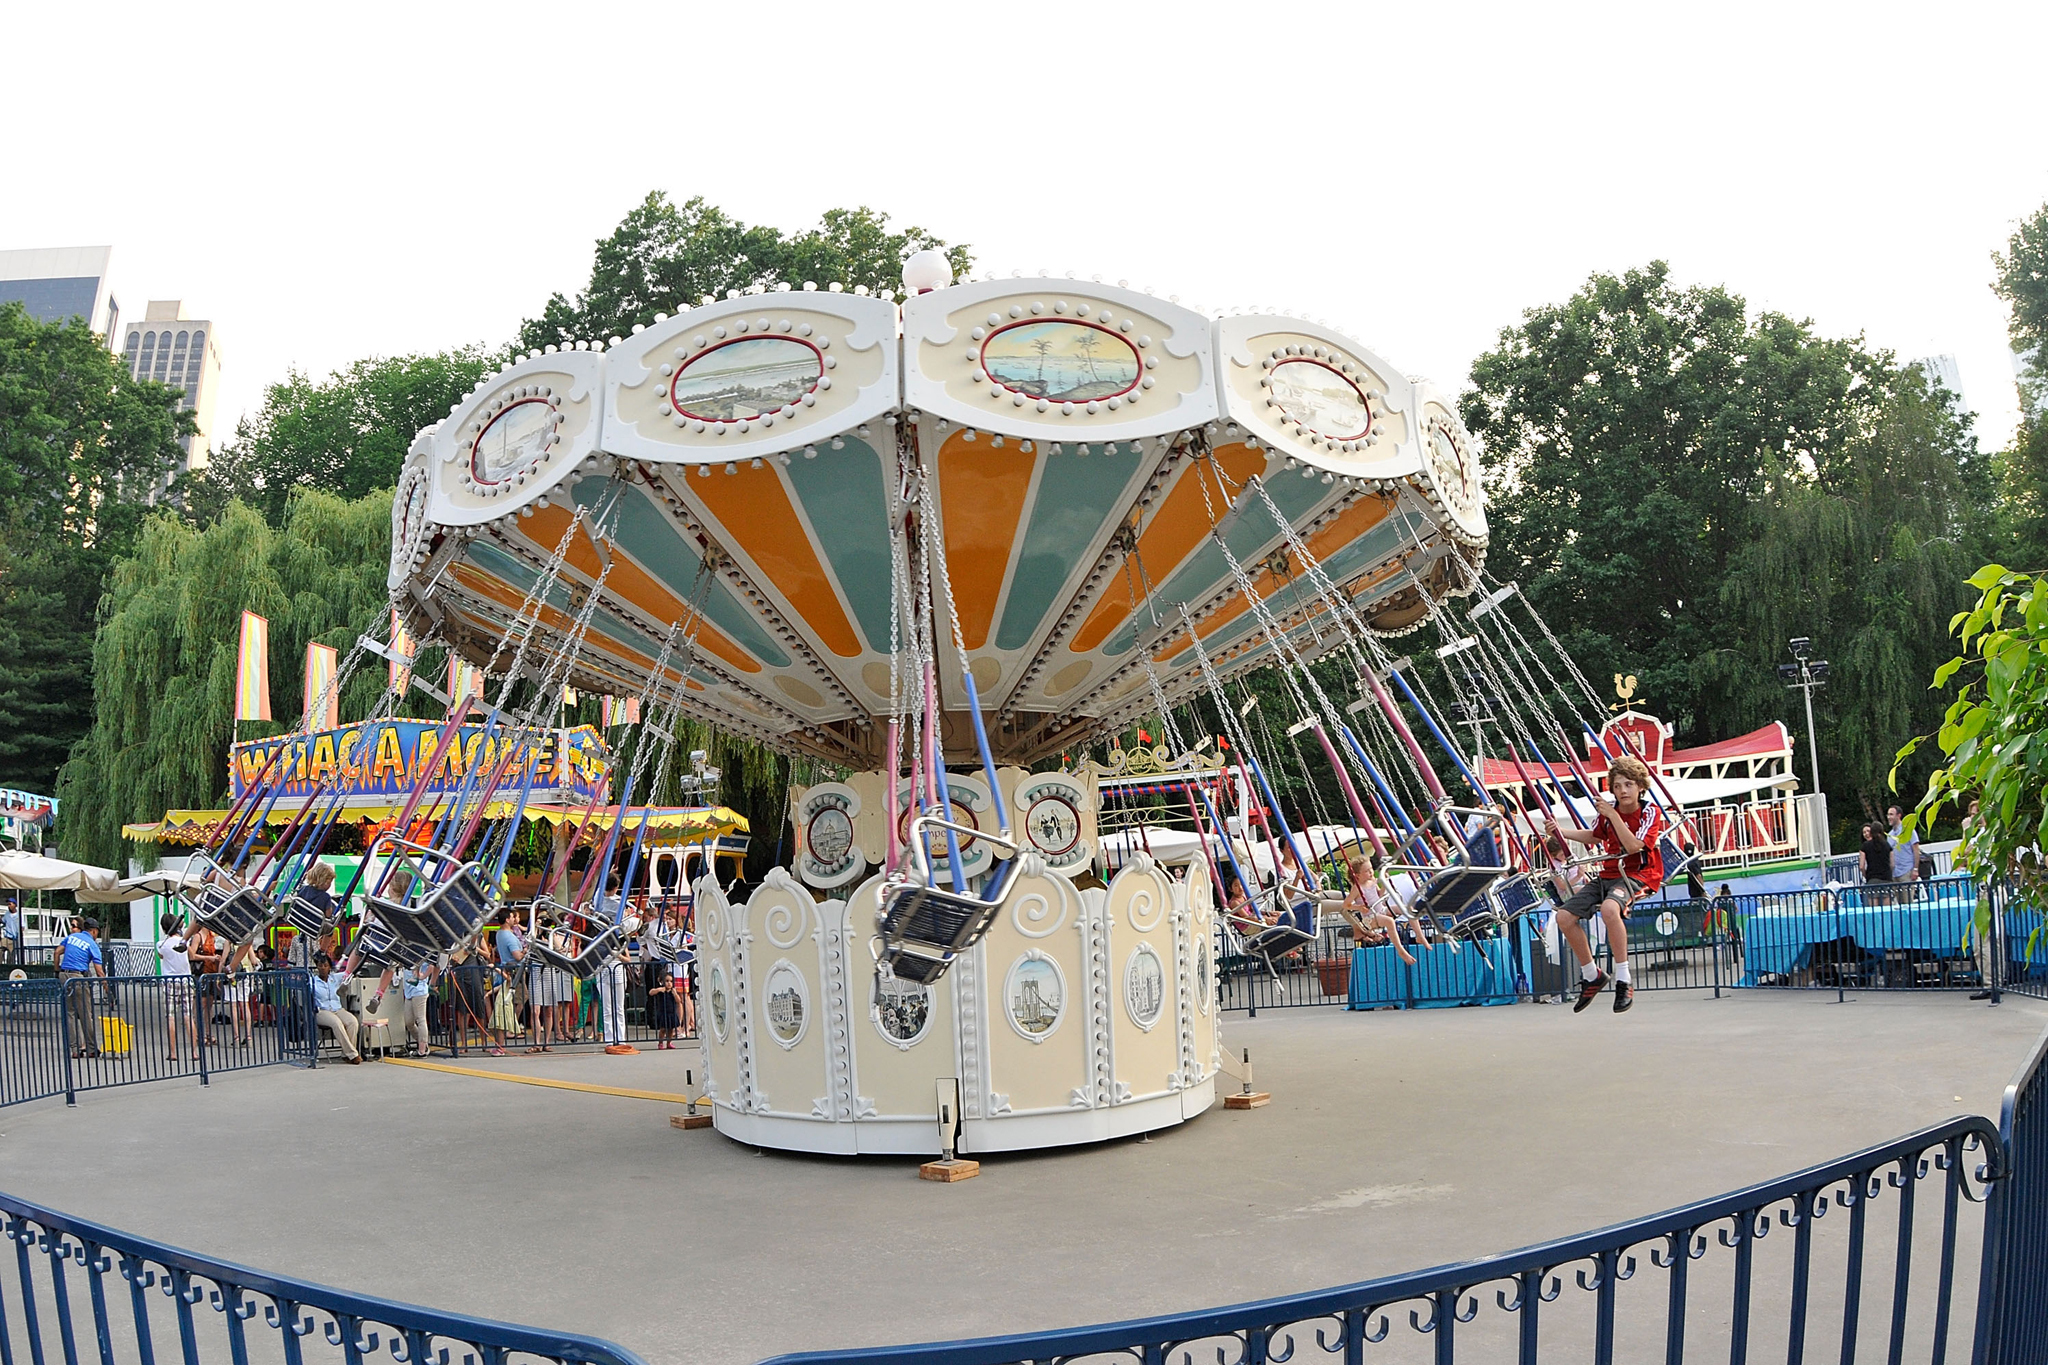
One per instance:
(746,378)
(1064,362)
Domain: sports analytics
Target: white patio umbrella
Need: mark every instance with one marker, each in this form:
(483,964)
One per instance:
(34,872)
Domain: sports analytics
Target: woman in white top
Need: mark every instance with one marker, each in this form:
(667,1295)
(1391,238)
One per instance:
(178,993)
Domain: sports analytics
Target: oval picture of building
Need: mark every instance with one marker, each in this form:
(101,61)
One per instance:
(788,1004)
(515,439)
(1320,398)
(1063,362)
(746,378)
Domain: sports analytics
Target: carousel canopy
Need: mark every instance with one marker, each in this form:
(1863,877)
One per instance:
(734,467)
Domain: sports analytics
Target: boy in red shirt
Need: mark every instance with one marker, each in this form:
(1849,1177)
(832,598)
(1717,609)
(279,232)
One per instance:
(1626,830)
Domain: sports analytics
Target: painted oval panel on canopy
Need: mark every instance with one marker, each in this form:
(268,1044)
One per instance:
(747,378)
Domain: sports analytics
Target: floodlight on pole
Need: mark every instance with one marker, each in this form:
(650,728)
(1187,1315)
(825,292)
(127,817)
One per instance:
(1807,673)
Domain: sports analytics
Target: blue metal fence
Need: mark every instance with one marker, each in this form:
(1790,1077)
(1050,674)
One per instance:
(95,1033)
(1935,935)
(2012,1310)
(70,1275)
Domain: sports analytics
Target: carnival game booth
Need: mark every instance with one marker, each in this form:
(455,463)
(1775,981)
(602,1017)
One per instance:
(937,551)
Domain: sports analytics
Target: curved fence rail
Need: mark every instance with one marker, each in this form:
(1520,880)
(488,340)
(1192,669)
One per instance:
(79,1286)
(1876,1282)
(2012,1321)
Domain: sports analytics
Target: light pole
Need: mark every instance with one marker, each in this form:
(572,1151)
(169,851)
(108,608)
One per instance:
(1806,673)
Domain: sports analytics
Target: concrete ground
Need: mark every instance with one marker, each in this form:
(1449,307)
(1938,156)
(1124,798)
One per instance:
(1394,1141)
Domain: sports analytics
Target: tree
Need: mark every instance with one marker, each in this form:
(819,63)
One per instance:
(1991,735)
(1860,553)
(1680,487)
(346,435)
(664,259)
(164,659)
(82,448)
(2022,282)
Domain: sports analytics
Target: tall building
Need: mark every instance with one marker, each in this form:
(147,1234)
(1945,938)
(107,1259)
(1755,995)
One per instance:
(1945,371)
(55,283)
(170,348)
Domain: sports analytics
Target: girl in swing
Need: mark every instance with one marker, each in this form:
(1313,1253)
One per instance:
(1626,829)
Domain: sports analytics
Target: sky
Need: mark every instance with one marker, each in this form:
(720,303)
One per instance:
(327,184)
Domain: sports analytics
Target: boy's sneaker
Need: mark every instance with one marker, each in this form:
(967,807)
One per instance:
(1624,996)
(1589,990)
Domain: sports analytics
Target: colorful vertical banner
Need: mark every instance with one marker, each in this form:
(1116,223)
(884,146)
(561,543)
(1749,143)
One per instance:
(629,711)
(323,701)
(401,648)
(604,712)
(252,669)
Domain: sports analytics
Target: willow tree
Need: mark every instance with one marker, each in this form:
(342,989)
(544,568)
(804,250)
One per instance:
(164,656)
(1866,552)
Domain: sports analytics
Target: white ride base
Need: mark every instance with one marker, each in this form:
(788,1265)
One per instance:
(1082,1016)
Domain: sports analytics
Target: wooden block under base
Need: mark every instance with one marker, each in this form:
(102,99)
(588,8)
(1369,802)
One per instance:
(1252,1101)
(946,1172)
(689,1120)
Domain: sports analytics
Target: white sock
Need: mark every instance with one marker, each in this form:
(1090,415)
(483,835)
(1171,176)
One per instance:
(1621,972)
(1588,972)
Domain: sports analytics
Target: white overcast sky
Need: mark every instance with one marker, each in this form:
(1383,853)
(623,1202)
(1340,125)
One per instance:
(327,183)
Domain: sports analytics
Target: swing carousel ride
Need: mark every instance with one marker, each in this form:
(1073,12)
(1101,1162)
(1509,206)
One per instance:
(940,549)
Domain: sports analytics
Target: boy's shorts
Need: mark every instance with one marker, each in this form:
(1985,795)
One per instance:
(1585,903)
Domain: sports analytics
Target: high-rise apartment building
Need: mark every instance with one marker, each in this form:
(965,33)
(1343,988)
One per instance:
(55,283)
(170,348)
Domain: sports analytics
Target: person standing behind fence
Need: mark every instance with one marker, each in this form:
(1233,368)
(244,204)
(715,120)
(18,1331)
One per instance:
(207,949)
(1905,849)
(77,961)
(1877,856)
(180,997)
(10,933)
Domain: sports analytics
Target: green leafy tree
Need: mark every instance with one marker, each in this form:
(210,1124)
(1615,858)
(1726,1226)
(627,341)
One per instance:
(1994,736)
(164,659)
(346,435)
(82,448)
(1681,487)
(664,258)
(1860,552)
(2022,281)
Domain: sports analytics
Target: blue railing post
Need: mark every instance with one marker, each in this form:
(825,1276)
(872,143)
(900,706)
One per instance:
(64,1037)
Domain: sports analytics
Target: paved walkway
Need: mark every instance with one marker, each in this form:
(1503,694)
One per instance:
(1394,1141)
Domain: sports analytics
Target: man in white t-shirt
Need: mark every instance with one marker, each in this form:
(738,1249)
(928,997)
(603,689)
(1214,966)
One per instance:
(179,997)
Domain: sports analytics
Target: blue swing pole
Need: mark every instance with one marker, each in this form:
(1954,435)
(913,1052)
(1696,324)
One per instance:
(1437,730)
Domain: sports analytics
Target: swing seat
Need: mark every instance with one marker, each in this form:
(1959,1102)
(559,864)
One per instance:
(237,914)
(303,916)
(591,954)
(447,914)
(1295,928)
(922,928)
(379,946)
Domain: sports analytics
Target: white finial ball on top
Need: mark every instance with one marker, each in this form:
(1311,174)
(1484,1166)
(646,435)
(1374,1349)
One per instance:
(924,271)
